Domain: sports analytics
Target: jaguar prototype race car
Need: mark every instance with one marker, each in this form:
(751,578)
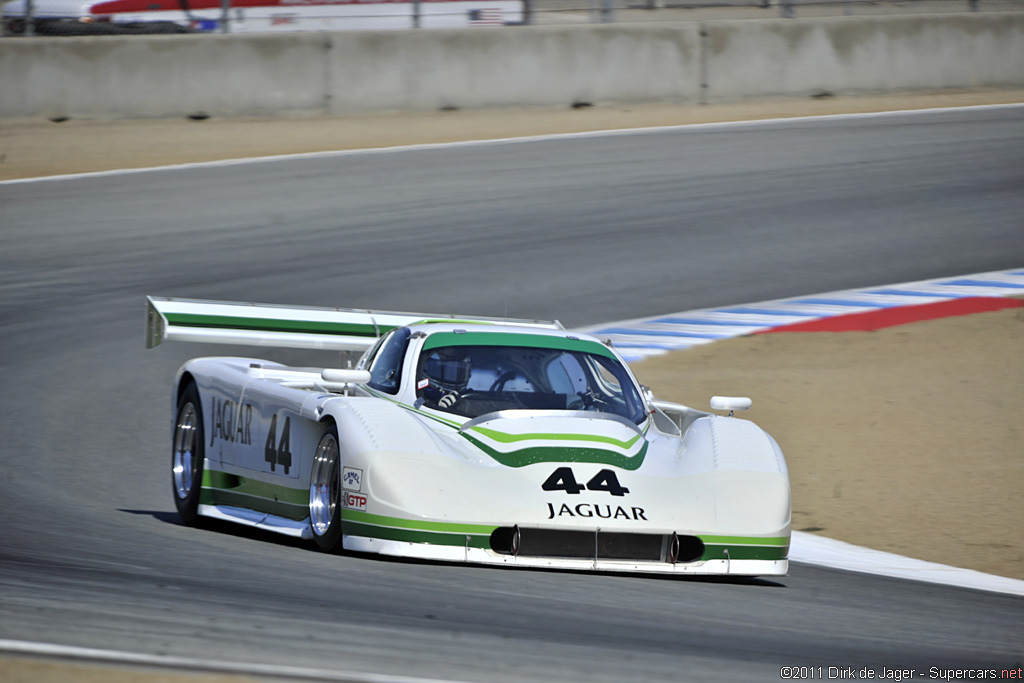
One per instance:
(494,441)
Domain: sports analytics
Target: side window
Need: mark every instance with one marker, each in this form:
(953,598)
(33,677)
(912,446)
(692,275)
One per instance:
(610,381)
(386,369)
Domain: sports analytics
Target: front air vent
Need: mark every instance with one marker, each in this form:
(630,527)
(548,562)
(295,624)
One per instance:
(602,545)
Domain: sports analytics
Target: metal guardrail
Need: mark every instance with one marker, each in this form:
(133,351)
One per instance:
(542,12)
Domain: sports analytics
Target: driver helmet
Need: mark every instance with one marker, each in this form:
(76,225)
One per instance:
(448,368)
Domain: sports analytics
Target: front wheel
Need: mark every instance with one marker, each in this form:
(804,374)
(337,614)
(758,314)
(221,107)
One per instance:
(325,493)
(187,455)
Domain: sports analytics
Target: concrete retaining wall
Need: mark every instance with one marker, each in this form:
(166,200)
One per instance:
(338,73)
(158,76)
(528,66)
(788,57)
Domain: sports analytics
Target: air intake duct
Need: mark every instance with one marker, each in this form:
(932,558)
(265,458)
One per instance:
(597,544)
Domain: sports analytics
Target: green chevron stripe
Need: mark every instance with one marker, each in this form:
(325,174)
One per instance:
(530,456)
(502,437)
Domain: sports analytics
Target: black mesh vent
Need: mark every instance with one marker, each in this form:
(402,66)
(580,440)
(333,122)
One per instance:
(585,545)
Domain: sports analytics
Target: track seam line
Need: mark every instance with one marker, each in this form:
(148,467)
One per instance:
(24,647)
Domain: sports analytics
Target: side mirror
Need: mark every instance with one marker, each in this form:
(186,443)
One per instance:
(730,403)
(345,376)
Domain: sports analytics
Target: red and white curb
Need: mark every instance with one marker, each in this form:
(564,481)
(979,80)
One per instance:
(645,337)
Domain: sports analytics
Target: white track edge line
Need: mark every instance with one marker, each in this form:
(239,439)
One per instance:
(24,647)
(505,141)
(823,551)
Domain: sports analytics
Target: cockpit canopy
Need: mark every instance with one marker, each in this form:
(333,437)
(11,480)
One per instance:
(474,373)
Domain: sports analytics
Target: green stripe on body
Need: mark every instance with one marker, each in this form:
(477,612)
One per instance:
(222,488)
(357,523)
(415,524)
(745,540)
(215,479)
(413,536)
(275,325)
(745,547)
(242,500)
(745,552)
(533,341)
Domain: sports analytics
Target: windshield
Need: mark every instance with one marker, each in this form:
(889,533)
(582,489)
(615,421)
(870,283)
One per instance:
(474,380)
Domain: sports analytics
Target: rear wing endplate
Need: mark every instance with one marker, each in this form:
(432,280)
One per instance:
(294,327)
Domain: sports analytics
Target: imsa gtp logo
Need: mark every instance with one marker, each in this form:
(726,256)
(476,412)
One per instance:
(353,501)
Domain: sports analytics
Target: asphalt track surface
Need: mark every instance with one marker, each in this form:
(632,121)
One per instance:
(585,230)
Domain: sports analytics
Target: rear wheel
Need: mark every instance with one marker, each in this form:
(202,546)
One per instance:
(325,493)
(187,455)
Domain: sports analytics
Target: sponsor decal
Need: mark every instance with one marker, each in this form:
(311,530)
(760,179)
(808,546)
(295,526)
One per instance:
(231,422)
(585,510)
(423,383)
(352,479)
(353,501)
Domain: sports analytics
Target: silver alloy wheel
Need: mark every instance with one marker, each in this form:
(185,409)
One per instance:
(323,486)
(185,462)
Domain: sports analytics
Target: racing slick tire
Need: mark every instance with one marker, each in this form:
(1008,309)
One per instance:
(325,493)
(188,455)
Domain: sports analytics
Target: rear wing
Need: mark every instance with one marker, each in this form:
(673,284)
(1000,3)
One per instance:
(293,327)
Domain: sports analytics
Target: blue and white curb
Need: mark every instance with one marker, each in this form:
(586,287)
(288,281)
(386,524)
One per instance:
(644,337)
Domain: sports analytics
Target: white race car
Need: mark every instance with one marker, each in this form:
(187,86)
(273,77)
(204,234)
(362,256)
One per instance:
(494,441)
